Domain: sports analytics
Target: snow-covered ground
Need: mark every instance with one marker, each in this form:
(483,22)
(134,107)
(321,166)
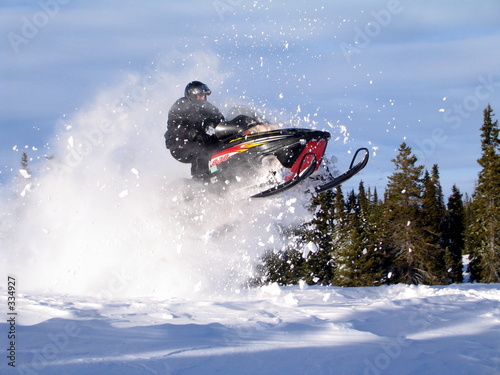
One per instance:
(120,271)
(396,329)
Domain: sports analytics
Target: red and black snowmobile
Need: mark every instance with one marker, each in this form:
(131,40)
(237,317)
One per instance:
(272,159)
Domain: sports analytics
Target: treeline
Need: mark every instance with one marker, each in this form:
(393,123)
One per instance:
(409,235)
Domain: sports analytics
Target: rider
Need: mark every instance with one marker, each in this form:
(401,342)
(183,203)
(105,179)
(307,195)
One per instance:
(189,120)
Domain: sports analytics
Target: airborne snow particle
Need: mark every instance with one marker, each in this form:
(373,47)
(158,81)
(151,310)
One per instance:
(135,171)
(24,173)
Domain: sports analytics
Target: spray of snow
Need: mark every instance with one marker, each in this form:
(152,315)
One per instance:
(110,213)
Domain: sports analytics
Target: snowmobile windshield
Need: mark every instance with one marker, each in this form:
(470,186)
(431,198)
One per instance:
(242,125)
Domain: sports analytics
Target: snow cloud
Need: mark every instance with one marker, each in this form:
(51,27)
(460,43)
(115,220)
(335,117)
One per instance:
(111,214)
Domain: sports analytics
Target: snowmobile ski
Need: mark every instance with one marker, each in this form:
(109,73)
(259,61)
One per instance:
(291,182)
(351,172)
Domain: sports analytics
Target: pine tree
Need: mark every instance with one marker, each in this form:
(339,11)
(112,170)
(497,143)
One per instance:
(358,262)
(23,183)
(330,220)
(375,199)
(452,228)
(404,237)
(484,231)
(340,238)
(432,214)
(319,267)
(323,208)
(432,208)
(282,267)
(24,162)
(286,266)
(348,244)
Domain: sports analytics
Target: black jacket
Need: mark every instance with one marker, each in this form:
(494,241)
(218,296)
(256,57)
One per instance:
(187,126)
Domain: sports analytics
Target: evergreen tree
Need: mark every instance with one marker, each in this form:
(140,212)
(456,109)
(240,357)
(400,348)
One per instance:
(432,213)
(348,243)
(404,236)
(484,231)
(358,263)
(432,208)
(438,189)
(380,239)
(340,237)
(319,265)
(25,162)
(320,228)
(289,266)
(452,228)
(23,180)
(283,267)
(375,199)
(330,221)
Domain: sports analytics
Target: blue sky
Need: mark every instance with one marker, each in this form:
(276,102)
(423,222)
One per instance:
(388,71)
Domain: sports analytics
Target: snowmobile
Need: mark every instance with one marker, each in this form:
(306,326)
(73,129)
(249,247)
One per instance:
(273,159)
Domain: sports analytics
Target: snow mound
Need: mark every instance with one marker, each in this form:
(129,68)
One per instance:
(273,330)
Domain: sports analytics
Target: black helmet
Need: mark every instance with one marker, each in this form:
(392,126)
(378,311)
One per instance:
(196,88)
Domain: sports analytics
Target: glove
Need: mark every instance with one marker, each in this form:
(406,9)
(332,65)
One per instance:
(204,138)
(195,136)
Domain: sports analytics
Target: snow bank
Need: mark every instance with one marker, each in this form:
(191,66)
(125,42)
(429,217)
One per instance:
(273,330)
